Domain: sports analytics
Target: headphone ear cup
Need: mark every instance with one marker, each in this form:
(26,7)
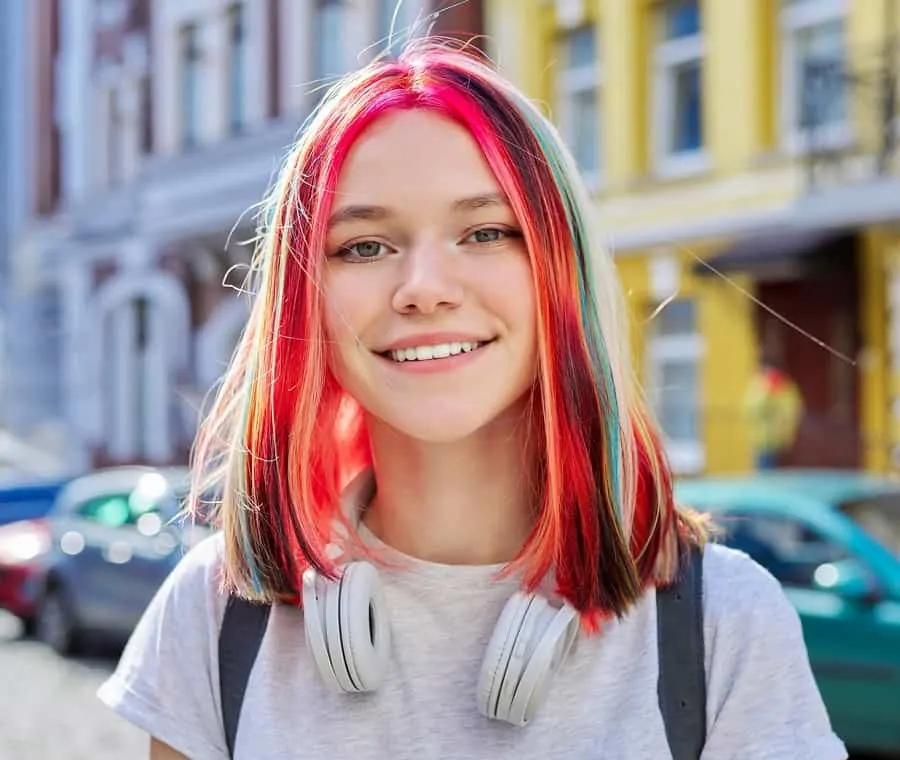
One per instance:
(315,589)
(497,655)
(548,653)
(333,634)
(365,632)
(517,674)
(346,627)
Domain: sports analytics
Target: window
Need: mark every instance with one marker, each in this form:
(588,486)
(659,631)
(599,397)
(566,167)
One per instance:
(674,352)
(190,85)
(49,317)
(578,84)
(329,45)
(792,551)
(141,311)
(814,95)
(146,97)
(397,24)
(678,89)
(138,508)
(879,517)
(115,140)
(236,62)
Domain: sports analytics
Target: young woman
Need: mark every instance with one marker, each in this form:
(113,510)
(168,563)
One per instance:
(436,466)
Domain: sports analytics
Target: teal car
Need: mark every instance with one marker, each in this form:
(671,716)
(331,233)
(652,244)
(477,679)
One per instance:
(832,539)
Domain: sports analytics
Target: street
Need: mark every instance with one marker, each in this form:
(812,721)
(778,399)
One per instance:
(48,710)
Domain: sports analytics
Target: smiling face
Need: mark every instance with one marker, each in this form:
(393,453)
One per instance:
(429,300)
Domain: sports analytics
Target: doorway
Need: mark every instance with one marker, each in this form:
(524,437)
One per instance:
(823,303)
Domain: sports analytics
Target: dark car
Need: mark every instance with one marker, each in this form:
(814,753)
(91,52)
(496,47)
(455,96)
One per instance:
(90,567)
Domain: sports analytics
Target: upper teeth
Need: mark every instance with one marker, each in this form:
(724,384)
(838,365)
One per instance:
(441,350)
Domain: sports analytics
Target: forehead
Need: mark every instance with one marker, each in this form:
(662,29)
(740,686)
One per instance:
(414,153)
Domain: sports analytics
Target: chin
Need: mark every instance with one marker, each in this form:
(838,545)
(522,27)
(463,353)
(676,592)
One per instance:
(431,431)
(447,423)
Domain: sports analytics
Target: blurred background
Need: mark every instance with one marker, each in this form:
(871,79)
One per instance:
(743,156)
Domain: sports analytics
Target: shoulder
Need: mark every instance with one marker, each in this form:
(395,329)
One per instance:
(734,584)
(744,606)
(196,582)
(203,562)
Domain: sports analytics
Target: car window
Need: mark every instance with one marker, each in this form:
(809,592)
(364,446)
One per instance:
(119,510)
(879,517)
(789,549)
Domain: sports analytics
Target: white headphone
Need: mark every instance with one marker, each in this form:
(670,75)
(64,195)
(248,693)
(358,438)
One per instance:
(348,633)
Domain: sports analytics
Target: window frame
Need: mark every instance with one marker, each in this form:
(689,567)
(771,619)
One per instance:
(793,20)
(686,456)
(319,75)
(669,55)
(190,58)
(236,73)
(573,82)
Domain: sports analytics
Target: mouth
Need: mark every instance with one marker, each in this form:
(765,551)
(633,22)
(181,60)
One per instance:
(434,352)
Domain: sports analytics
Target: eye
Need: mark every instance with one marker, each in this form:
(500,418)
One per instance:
(364,250)
(489,235)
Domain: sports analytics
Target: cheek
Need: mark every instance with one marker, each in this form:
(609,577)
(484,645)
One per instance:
(520,302)
(344,317)
(349,316)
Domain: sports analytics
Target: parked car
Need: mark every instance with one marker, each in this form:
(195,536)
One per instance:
(91,565)
(833,540)
(27,499)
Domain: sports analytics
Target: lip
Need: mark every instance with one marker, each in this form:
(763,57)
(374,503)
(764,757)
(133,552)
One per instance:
(433,339)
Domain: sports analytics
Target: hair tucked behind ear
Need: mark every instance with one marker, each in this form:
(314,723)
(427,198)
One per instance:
(282,438)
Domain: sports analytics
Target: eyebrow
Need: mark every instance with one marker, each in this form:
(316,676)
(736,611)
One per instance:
(376,213)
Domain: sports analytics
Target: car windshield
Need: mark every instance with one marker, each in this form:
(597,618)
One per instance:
(880,517)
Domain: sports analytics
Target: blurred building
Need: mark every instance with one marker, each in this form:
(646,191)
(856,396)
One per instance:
(29,433)
(759,137)
(7,80)
(157,128)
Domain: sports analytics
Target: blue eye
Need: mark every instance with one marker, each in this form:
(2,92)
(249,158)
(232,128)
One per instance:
(365,250)
(487,235)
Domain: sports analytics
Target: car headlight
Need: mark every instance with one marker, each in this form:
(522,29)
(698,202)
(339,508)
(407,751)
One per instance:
(24,541)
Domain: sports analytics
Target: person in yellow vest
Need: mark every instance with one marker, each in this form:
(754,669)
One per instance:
(773,408)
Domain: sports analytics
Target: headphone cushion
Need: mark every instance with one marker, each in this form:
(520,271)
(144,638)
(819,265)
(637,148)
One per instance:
(497,655)
(347,628)
(314,588)
(334,633)
(365,629)
(531,640)
(546,653)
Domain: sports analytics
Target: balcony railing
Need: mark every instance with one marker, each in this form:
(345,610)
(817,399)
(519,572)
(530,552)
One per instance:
(849,116)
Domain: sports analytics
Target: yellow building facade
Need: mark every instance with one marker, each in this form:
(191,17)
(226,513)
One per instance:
(744,171)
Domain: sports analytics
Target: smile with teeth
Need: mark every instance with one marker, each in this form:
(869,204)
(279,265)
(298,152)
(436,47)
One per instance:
(427,353)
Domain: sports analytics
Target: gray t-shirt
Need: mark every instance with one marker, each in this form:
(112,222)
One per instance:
(762,701)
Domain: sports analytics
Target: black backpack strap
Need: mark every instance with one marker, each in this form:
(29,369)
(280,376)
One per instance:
(240,636)
(682,668)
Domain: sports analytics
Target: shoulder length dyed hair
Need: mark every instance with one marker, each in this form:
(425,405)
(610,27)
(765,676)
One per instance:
(282,438)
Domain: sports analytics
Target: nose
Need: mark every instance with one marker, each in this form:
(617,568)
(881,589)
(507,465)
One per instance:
(428,281)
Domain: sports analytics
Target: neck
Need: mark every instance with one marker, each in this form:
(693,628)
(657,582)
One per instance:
(469,502)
